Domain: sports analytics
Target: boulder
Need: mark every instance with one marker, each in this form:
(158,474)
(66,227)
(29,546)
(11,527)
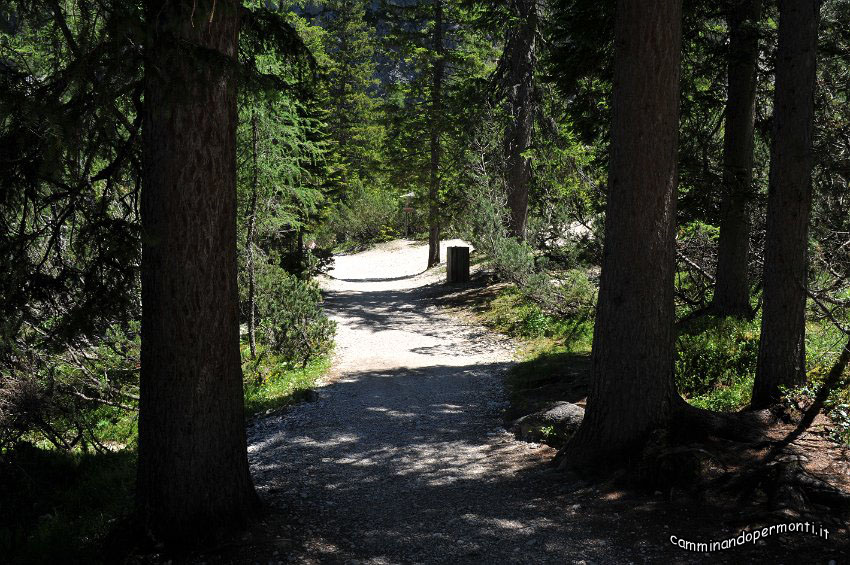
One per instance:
(553,425)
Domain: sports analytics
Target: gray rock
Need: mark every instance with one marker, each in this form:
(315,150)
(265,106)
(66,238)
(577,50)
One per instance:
(554,425)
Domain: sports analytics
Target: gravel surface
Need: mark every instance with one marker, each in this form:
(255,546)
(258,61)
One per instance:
(403,458)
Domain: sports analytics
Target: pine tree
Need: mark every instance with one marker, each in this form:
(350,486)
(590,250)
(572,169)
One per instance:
(443,57)
(632,390)
(351,82)
(732,289)
(193,477)
(782,352)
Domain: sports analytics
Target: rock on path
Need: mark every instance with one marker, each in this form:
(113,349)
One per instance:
(403,458)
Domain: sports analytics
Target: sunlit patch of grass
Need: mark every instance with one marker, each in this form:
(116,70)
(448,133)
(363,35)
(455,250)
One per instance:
(271,384)
(514,314)
(726,398)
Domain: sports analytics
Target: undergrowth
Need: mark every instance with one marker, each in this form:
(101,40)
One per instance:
(58,506)
(271,383)
(715,361)
(61,506)
(512,313)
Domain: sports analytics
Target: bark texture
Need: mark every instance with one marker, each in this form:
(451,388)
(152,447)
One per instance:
(732,287)
(436,133)
(632,389)
(193,478)
(521,59)
(782,352)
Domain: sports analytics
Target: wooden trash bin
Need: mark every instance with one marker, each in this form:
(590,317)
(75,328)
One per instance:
(457,264)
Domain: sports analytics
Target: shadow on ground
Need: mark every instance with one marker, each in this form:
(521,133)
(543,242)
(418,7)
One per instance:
(403,479)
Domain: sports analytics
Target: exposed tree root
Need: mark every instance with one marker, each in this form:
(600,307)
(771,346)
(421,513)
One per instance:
(689,423)
(739,460)
(833,379)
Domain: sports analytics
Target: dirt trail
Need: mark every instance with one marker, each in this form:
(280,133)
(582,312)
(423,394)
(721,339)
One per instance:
(403,457)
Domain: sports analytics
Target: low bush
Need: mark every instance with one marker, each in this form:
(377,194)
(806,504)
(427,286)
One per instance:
(291,323)
(368,216)
(716,362)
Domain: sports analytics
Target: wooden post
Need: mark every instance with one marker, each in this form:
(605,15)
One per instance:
(457,265)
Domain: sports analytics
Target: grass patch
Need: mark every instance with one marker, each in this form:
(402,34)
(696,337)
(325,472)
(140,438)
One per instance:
(512,313)
(554,360)
(68,506)
(716,362)
(58,507)
(271,384)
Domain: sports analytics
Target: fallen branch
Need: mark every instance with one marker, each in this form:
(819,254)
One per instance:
(694,265)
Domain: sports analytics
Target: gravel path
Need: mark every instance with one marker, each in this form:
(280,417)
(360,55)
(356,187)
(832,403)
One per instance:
(403,458)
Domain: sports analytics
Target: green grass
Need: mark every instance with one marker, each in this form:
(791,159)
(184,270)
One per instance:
(512,313)
(715,357)
(57,506)
(270,384)
(553,354)
(66,507)
(726,398)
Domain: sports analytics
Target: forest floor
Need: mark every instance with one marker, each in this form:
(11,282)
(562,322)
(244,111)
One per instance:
(402,456)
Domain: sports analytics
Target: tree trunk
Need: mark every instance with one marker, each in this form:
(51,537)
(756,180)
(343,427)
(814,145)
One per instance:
(632,389)
(732,287)
(782,352)
(521,59)
(249,242)
(436,130)
(193,477)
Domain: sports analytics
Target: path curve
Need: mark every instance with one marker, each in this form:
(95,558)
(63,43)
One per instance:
(403,458)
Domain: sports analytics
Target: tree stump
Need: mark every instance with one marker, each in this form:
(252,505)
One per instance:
(457,265)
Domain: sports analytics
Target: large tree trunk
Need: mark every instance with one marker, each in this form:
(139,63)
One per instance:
(193,477)
(521,59)
(781,358)
(732,287)
(436,131)
(632,389)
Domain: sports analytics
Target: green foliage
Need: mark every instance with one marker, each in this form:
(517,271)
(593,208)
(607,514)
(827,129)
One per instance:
(716,362)
(292,324)
(560,287)
(368,216)
(512,312)
(270,383)
(58,506)
(410,118)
